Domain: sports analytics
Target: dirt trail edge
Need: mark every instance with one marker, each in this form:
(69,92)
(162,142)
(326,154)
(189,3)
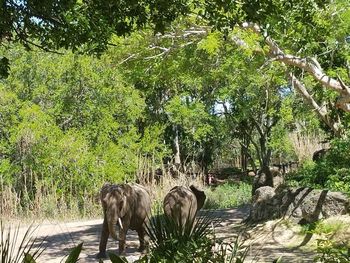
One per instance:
(61,237)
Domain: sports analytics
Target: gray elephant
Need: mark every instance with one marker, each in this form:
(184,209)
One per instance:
(182,203)
(125,206)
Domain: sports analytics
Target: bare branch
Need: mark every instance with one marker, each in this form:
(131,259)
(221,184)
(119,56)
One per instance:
(311,66)
(128,58)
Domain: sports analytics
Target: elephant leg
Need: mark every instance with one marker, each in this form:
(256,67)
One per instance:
(103,240)
(143,240)
(122,238)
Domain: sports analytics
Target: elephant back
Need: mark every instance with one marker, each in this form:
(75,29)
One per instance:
(180,204)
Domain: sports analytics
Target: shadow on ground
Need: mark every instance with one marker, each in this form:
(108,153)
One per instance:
(264,244)
(60,238)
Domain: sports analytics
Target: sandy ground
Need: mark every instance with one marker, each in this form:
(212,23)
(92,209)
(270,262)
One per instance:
(265,242)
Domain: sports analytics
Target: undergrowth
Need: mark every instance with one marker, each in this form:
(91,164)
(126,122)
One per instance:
(228,195)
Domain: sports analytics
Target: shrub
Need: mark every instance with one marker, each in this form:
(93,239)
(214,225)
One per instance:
(332,242)
(195,242)
(332,252)
(228,195)
(332,171)
(175,243)
(26,252)
(26,249)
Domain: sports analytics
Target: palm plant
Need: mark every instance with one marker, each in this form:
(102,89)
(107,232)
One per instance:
(26,249)
(172,242)
(193,242)
(15,250)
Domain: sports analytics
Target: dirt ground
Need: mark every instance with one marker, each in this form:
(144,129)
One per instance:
(265,242)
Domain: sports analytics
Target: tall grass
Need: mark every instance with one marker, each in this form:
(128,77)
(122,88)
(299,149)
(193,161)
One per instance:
(305,145)
(46,205)
(49,205)
(228,195)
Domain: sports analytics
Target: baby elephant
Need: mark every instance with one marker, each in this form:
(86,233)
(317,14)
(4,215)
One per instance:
(125,206)
(182,203)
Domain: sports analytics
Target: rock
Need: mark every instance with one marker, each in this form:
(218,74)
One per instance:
(309,205)
(264,194)
(299,204)
(251,174)
(260,179)
(264,204)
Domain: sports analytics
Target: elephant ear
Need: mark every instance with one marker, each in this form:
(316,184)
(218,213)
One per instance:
(200,195)
(127,199)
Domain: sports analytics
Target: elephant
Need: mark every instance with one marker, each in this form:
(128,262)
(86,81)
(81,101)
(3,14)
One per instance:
(125,206)
(182,203)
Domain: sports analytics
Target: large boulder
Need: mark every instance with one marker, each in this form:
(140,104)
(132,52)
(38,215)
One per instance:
(265,204)
(299,204)
(260,179)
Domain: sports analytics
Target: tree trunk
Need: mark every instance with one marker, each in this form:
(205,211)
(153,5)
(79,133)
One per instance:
(177,158)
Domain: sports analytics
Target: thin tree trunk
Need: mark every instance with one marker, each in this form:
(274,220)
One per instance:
(177,147)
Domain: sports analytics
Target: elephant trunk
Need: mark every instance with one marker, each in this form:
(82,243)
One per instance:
(112,227)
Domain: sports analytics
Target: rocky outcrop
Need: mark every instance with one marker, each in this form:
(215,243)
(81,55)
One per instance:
(299,204)
(260,179)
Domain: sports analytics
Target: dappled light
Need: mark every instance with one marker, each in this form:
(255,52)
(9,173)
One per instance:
(233,117)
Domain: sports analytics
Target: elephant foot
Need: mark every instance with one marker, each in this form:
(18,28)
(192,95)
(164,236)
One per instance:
(101,255)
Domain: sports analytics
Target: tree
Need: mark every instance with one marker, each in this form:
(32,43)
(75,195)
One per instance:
(68,123)
(85,26)
(90,25)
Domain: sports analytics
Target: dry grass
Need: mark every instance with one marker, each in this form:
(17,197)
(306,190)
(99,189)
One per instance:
(45,205)
(158,191)
(49,205)
(305,145)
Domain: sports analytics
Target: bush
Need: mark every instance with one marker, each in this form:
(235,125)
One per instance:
(195,242)
(333,245)
(228,195)
(332,252)
(332,171)
(26,249)
(175,243)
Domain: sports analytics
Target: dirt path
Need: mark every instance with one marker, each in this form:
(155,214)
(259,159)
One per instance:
(264,244)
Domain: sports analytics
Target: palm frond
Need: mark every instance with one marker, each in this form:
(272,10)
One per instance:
(15,250)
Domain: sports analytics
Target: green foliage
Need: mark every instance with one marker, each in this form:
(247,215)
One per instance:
(74,254)
(191,115)
(4,67)
(81,25)
(15,249)
(331,172)
(228,195)
(172,242)
(26,249)
(280,143)
(211,43)
(194,242)
(332,252)
(68,124)
(117,259)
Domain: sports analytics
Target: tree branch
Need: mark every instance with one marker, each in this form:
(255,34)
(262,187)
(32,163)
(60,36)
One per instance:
(309,65)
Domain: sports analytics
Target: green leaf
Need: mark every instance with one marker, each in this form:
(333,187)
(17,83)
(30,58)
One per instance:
(117,259)
(74,254)
(28,259)
(211,43)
